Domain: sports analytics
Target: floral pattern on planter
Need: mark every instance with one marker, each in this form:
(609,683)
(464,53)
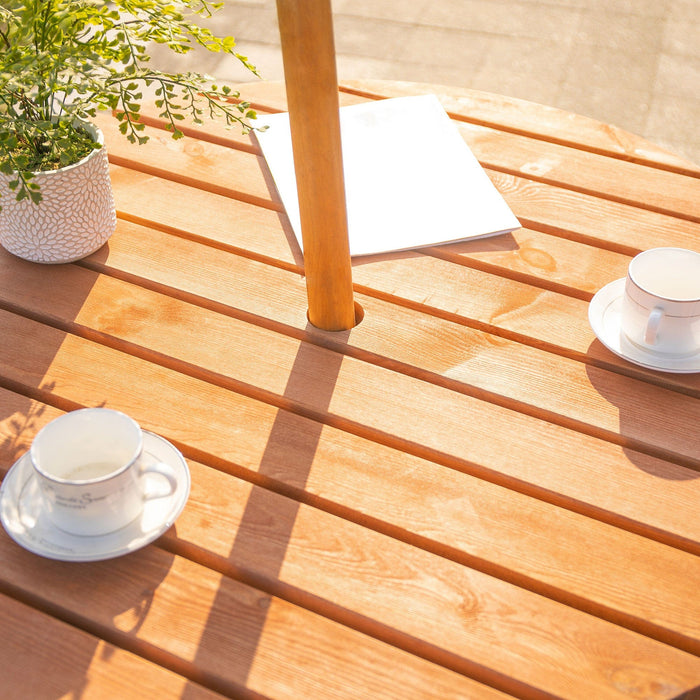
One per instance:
(75,217)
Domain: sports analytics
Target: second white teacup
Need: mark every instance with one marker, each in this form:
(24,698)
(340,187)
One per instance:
(91,465)
(661,306)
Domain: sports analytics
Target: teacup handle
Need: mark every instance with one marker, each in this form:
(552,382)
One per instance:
(653,323)
(164,470)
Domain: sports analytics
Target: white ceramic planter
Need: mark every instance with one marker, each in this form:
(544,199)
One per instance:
(75,217)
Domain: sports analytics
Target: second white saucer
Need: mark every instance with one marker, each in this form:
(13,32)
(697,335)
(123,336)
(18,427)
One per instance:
(604,315)
(25,520)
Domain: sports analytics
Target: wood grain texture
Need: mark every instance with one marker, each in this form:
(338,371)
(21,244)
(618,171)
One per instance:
(378,402)
(34,665)
(466,486)
(164,324)
(221,632)
(260,233)
(327,558)
(522,116)
(589,173)
(466,357)
(569,162)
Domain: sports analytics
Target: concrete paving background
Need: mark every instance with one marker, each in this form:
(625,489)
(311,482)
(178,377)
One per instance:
(632,63)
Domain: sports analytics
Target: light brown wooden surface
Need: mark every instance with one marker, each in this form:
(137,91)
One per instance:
(464,496)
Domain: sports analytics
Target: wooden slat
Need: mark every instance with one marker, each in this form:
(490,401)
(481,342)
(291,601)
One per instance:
(539,259)
(195,162)
(217,131)
(378,402)
(565,389)
(388,486)
(566,214)
(564,166)
(571,217)
(329,558)
(500,112)
(521,311)
(34,665)
(20,420)
(159,318)
(548,208)
(580,217)
(326,557)
(227,635)
(237,224)
(522,116)
(462,294)
(568,165)
(481,532)
(642,186)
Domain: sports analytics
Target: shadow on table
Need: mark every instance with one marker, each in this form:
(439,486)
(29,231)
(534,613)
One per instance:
(21,420)
(29,349)
(641,412)
(289,455)
(500,243)
(29,352)
(72,659)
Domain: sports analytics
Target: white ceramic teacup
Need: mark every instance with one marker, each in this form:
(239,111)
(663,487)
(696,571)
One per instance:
(91,465)
(661,306)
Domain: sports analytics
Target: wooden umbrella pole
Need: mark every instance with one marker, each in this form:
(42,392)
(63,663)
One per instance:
(308,53)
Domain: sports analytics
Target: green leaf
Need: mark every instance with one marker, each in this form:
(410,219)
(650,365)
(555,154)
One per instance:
(64,59)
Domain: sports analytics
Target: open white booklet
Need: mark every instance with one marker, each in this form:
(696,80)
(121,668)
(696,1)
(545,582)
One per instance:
(410,179)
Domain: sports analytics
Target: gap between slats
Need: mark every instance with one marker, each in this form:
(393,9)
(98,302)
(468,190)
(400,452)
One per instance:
(222,190)
(443,253)
(253,149)
(654,165)
(358,429)
(567,290)
(614,366)
(255,200)
(277,206)
(595,193)
(358,622)
(328,341)
(292,594)
(333,611)
(618,367)
(678,169)
(371,628)
(131,643)
(216,683)
(340,347)
(83,644)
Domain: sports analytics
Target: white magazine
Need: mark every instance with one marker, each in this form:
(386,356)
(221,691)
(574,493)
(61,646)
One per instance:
(410,179)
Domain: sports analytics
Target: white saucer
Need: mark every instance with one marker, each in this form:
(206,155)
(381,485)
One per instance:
(604,315)
(27,524)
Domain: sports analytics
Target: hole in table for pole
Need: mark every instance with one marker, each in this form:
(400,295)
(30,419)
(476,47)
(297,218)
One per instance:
(359,315)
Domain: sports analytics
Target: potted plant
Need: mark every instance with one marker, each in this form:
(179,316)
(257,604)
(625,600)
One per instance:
(60,61)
